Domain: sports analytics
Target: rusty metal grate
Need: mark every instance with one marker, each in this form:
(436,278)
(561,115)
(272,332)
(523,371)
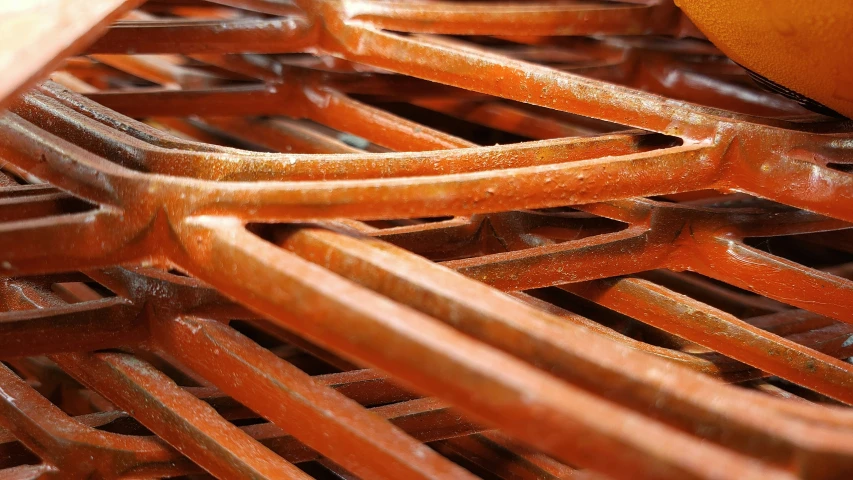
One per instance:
(417,239)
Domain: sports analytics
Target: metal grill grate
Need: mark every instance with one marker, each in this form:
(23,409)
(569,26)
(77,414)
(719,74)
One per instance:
(418,239)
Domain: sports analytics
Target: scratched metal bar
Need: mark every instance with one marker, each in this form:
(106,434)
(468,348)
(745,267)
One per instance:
(416,239)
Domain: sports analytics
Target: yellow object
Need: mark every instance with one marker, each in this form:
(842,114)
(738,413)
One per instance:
(804,45)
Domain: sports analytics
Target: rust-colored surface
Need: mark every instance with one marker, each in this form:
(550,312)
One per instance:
(433,239)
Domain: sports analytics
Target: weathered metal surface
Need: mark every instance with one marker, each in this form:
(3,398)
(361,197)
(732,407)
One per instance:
(364,239)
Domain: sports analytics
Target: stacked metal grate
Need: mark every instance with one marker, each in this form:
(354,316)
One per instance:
(415,239)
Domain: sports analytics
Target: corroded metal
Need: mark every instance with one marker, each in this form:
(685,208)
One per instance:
(388,239)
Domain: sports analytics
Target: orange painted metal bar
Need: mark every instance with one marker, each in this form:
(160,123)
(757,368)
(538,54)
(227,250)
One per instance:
(431,239)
